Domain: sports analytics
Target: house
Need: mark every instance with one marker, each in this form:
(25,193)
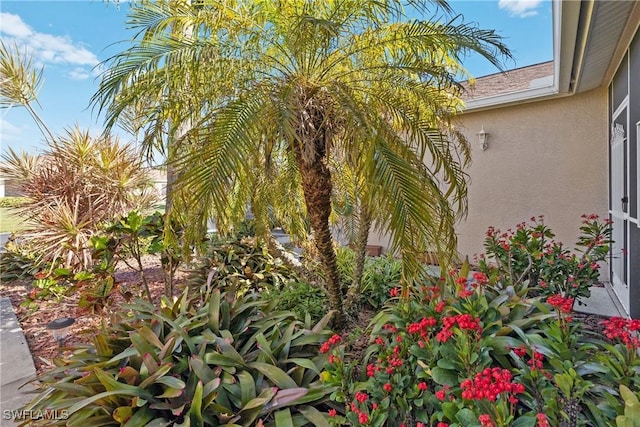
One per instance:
(563,139)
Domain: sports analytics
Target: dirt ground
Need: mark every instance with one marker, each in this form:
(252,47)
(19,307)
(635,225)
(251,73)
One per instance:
(34,320)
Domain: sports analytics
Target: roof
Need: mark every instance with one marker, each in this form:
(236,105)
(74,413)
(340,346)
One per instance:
(589,39)
(518,79)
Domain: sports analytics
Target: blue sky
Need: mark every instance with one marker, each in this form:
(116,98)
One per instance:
(71,38)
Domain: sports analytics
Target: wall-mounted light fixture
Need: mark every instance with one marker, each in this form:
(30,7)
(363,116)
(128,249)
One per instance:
(483,139)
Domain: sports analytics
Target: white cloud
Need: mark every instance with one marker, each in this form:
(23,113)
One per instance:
(79,73)
(520,8)
(45,48)
(9,132)
(12,25)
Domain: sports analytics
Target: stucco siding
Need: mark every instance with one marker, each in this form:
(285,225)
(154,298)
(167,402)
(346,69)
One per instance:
(547,157)
(544,158)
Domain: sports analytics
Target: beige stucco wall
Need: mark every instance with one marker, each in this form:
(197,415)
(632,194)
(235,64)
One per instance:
(547,157)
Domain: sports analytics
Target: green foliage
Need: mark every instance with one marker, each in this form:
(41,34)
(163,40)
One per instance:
(302,298)
(13,202)
(631,417)
(243,264)
(530,254)
(380,275)
(224,360)
(17,262)
(470,353)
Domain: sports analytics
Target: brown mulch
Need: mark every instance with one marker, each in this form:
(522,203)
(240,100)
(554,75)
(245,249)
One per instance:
(34,319)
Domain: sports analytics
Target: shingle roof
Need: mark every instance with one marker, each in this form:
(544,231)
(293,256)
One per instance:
(529,77)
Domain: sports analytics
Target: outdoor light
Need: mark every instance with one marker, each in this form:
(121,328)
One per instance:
(483,138)
(59,328)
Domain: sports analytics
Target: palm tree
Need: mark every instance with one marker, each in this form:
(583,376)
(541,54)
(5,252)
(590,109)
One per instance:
(305,82)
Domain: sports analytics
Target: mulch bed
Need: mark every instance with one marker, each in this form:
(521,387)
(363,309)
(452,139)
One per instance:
(34,321)
(44,348)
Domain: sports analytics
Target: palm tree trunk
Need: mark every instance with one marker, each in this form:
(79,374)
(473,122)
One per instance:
(360,248)
(316,185)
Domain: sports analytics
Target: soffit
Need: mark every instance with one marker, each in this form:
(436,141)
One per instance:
(607,23)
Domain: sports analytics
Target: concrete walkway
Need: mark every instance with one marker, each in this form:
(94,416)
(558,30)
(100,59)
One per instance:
(16,363)
(602,302)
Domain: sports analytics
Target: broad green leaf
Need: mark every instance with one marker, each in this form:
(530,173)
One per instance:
(170,392)
(122,413)
(444,376)
(214,311)
(195,410)
(201,369)
(83,403)
(171,382)
(143,346)
(305,363)
(247,387)
(466,417)
(275,374)
(162,370)
(150,336)
(227,349)
(74,389)
(283,418)
(315,416)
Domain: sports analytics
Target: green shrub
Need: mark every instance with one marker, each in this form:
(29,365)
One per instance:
(243,264)
(17,263)
(13,202)
(380,276)
(225,360)
(530,254)
(302,298)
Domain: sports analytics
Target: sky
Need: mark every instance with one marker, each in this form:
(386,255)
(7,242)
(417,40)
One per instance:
(70,39)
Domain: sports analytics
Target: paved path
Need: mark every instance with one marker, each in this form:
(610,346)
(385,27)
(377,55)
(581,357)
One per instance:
(16,363)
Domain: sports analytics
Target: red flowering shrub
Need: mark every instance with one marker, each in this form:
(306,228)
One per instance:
(623,330)
(530,254)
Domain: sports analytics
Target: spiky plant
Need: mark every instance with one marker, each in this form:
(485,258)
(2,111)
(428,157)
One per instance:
(76,185)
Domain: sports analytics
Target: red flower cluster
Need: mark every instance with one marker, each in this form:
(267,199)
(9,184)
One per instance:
(560,303)
(536,361)
(422,326)
(542,420)
(464,321)
(480,278)
(486,421)
(465,293)
(489,384)
(326,346)
(624,330)
(361,397)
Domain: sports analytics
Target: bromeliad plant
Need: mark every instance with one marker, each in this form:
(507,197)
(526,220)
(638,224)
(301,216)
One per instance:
(529,254)
(241,263)
(227,360)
